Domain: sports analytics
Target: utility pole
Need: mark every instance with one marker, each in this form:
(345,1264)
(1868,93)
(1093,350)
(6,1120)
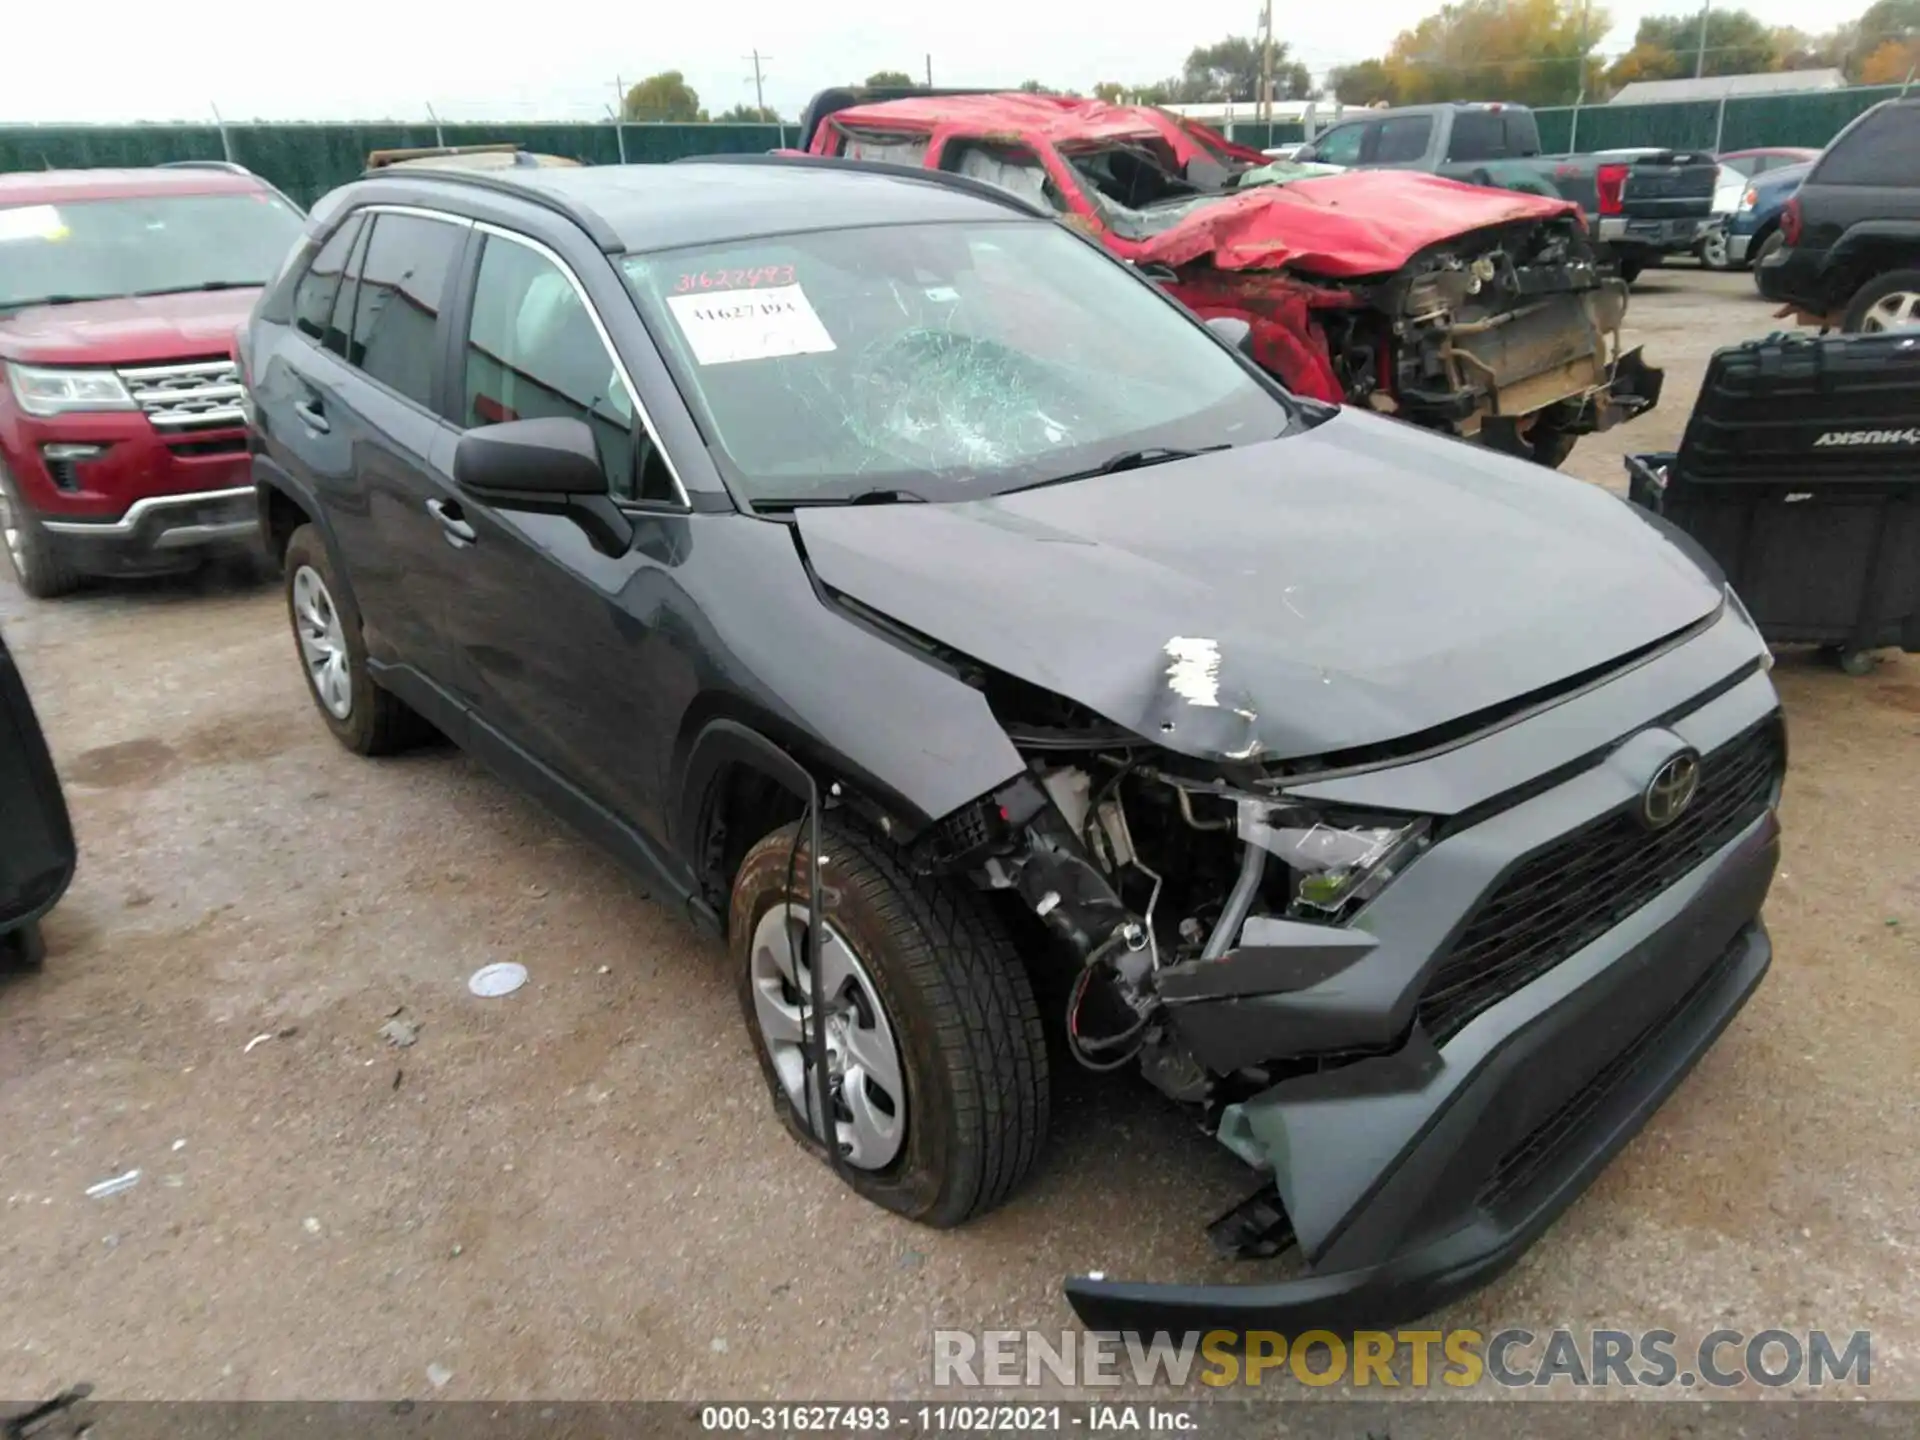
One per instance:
(929,69)
(618,114)
(1265,108)
(1700,53)
(759,96)
(619,97)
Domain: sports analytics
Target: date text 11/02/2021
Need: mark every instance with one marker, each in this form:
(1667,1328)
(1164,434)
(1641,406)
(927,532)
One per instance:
(993,1419)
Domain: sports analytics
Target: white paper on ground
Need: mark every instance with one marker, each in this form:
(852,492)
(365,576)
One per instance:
(728,325)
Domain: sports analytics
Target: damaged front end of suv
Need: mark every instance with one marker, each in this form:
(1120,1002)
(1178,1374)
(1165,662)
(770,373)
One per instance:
(1385,880)
(1424,1029)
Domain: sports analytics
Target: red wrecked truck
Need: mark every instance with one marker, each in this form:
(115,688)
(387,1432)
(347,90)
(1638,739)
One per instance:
(1471,310)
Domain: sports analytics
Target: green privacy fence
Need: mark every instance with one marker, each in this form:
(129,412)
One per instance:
(306,161)
(1266,136)
(1810,118)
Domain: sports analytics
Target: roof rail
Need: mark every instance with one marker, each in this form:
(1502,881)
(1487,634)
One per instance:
(226,165)
(380,159)
(510,182)
(984,189)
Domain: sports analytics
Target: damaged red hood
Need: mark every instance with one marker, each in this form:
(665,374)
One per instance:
(1365,222)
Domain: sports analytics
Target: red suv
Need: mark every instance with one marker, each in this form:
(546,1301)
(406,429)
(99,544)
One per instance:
(123,448)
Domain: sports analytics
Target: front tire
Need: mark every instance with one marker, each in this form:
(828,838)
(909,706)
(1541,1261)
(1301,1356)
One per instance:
(935,1043)
(30,553)
(1774,241)
(1714,254)
(23,948)
(333,657)
(1544,444)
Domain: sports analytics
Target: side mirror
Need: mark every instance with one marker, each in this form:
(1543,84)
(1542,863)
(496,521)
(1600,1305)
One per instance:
(1235,331)
(1304,155)
(531,458)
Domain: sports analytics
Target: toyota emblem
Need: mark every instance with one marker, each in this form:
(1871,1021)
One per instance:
(1671,790)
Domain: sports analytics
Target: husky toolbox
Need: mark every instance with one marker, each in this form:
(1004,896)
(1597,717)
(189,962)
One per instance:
(1799,473)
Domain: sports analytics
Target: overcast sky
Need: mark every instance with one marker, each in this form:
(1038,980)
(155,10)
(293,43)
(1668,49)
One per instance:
(116,60)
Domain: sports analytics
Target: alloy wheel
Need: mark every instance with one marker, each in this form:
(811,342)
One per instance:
(864,1069)
(323,642)
(1713,251)
(1898,311)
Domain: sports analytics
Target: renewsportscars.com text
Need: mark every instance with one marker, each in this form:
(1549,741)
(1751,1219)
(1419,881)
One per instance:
(1513,1358)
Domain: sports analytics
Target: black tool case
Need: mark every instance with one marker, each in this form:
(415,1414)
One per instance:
(1800,475)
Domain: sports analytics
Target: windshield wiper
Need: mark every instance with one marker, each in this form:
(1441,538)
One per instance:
(201,285)
(33,300)
(881,495)
(1125,460)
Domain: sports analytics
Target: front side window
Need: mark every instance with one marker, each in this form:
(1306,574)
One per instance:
(152,245)
(396,314)
(1340,145)
(948,361)
(533,353)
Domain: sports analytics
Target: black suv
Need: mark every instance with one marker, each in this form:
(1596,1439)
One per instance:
(1852,253)
(1403,809)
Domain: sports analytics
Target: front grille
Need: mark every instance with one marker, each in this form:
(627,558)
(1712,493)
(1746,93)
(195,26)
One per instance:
(1568,895)
(1522,1164)
(199,393)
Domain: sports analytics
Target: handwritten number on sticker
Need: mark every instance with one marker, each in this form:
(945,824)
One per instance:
(745,279)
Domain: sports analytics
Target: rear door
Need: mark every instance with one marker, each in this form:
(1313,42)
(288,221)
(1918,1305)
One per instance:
(397,526)
(349,404)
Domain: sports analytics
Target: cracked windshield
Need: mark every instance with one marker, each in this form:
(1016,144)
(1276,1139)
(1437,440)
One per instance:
(946,360)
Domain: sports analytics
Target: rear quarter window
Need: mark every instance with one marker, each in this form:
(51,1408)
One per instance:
(1883,149)
(1402,139)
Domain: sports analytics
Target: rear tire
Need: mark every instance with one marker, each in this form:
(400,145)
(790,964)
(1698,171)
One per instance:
(362,716)
(1630,270)
(956,1004)
(1885,303)
(30,552)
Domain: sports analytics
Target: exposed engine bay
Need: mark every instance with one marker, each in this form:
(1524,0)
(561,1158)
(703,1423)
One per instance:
(1145,865)
(1513,330)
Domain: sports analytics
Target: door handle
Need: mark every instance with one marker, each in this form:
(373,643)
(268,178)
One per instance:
(310,414)
(459,533)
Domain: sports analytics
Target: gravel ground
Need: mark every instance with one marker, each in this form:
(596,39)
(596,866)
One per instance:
(579,1191)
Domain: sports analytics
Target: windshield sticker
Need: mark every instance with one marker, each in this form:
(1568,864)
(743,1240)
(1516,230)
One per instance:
(750,325)
(733,279)
(32,222)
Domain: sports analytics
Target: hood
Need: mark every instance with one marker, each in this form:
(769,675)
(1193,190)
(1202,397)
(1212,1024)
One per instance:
(1356,583)
(1361,222)
(192,325)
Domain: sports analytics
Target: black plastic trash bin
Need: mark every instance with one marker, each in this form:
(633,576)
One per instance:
(1800,475)
(36,837)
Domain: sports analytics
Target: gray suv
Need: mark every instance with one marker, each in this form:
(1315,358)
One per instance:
(1006,669)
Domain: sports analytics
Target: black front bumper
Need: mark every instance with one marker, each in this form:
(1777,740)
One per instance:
(1420,1172)
(1796,277)
(159,534)
(1516,1203)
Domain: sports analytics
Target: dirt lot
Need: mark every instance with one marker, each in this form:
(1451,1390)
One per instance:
(579,1190)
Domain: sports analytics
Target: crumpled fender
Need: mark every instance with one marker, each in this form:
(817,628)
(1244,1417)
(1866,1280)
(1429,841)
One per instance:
(1364,222)
(1287,341)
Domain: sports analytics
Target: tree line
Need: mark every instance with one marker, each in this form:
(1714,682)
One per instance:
(1535,52)
(1545,52)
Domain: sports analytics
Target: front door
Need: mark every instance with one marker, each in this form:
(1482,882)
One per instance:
(554,630)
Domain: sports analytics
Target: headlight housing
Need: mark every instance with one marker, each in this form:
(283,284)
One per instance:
(43,391)
(1750,199)
(1339,859)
